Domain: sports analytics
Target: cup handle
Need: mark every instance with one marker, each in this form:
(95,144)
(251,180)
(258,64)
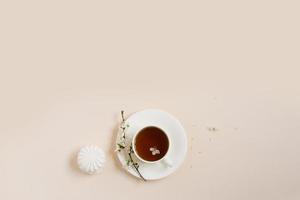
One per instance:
(167,162)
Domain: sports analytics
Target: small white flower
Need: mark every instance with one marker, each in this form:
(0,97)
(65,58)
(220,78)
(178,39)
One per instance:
(154,151)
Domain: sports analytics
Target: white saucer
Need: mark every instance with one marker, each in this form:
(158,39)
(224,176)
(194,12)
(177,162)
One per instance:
(176,132)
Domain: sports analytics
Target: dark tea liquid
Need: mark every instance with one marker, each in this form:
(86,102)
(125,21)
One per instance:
(151,144)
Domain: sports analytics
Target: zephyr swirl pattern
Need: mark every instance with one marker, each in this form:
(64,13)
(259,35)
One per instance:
(91,159)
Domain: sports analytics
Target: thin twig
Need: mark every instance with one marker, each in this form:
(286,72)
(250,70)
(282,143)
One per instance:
(134,164)
(123,123)
(122,114)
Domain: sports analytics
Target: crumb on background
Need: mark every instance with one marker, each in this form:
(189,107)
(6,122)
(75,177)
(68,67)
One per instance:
(212,129)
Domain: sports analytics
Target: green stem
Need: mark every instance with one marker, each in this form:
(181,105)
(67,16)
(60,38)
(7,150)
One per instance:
(130,149)
(134,164)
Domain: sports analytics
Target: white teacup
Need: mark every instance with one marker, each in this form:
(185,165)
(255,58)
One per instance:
(151,145)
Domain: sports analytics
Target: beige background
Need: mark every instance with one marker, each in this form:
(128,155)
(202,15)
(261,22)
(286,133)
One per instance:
(68,67)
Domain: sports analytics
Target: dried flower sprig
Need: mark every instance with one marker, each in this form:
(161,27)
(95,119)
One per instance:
(135,164)
(121,146)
